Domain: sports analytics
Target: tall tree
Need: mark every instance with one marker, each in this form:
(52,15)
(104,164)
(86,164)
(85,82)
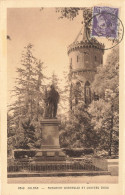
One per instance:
(105,112)
(28,93)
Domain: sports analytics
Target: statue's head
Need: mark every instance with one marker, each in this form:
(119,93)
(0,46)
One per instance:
(52,87)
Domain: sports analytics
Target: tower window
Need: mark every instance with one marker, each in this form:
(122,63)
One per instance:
(95,58)
(77,92)
(71,61)
(77,58)
(87,93)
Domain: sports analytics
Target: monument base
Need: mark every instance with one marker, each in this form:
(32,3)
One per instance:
(50,133)
(50,149)
(50,160)
(50,154)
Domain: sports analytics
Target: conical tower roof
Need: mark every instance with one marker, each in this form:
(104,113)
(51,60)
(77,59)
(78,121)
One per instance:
(83,41)
(81,35)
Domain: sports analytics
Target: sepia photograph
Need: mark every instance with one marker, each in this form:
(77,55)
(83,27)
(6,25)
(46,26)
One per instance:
(64,70)
(63,94)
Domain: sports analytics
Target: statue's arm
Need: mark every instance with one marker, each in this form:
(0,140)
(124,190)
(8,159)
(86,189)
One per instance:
(58,97)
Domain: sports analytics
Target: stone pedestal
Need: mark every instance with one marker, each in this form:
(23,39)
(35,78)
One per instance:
(50,148)
(50,133)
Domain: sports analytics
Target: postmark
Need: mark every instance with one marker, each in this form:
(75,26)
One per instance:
(105,26)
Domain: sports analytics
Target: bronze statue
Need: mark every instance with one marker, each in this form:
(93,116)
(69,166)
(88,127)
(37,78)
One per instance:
(51,102)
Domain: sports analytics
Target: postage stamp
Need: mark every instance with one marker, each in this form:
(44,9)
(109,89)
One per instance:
(105,26)
(105,22)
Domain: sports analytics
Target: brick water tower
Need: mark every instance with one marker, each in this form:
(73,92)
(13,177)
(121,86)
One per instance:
(84,56)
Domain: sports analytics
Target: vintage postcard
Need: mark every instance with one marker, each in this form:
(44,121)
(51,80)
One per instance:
(62,97)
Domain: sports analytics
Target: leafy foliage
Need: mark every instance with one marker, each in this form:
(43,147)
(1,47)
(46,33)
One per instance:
(29,135)
(71,12)
(105,112)
(79,131)
(107,76)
